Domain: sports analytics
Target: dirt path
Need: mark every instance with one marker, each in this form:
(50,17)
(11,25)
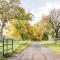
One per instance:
(35,51)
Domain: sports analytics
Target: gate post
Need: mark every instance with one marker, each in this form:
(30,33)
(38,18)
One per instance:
(3,44)
(12,44)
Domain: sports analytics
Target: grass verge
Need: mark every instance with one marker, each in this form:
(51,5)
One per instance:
(18,47)
(51,45)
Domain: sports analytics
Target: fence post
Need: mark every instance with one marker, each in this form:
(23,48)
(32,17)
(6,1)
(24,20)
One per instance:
(7,45)
(3,44)
(12,44)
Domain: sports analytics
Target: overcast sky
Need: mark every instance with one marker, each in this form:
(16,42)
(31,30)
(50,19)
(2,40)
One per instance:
(40,7)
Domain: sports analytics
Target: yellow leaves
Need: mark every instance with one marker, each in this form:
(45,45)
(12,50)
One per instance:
(16,28)
(10,30)
(13,21)
(41,27)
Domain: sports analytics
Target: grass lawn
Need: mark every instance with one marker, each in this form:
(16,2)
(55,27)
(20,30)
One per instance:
(18,47)
(52,45)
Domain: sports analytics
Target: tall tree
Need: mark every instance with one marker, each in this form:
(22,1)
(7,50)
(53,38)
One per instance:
(12,10)
(54,20)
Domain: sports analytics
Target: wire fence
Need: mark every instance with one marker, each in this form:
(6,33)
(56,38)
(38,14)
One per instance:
(11,46)
(6,45)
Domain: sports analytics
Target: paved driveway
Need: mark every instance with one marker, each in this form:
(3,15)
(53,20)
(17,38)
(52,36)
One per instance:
(35,51)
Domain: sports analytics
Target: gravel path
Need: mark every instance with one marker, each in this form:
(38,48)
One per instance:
(35,51)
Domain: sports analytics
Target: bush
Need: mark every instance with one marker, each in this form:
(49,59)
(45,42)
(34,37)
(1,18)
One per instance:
(45,36)
(7,55)
(2,58)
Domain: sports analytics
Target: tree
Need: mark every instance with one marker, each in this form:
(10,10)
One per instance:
(10,30)
(41,27)
(12,10)
(45,36)
(54,20)
(18,28)
(15,1)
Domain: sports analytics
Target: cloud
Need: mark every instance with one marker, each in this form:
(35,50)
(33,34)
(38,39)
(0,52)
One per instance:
(40,7)
(38,12)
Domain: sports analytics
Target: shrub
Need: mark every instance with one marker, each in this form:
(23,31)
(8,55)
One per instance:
(2,58)
(45,36)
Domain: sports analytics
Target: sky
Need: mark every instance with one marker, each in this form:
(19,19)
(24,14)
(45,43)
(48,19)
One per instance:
(39,7)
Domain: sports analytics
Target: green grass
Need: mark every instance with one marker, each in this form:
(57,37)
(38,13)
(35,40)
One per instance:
(2,58)
(18,47)
(21,46)
(52,45)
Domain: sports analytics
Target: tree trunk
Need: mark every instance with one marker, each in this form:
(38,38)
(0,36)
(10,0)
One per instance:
(2,37)
(56,31)
(2,26)
(56,36)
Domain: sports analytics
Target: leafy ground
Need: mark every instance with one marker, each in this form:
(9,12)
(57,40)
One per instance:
(52,45)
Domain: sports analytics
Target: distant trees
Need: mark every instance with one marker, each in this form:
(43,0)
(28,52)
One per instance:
(40,28)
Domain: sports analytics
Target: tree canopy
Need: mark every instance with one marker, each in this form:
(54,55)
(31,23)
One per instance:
(11,9)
